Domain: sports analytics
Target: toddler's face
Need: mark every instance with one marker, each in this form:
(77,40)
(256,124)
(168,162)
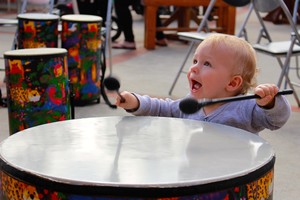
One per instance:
(211,72)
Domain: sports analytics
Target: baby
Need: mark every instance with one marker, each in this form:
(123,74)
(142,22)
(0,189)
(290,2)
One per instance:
(223,66)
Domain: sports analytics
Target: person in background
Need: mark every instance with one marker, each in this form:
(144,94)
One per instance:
(223,66)
(124,16)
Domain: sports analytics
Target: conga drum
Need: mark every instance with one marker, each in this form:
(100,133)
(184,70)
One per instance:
(37,87)
(136,158)
(81,36)
(37,30)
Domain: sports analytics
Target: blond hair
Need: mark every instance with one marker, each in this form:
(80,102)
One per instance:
(244,57)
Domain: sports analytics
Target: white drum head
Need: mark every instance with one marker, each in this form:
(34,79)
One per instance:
(35,52)
(38,16)
(81,18)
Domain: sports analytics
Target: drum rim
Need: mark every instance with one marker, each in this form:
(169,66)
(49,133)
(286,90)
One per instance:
(34,52)
(134,191)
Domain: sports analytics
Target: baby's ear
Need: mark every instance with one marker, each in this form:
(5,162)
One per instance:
(235,83)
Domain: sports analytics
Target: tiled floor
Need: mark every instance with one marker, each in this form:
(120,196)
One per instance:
(152,72)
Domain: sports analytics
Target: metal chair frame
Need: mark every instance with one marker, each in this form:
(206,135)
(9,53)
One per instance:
(282,49)
(199,35)
(292,50)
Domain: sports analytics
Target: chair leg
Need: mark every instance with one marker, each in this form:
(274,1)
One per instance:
(284,74)
(293,88)
(51,6)
(108,35)
(1,103)
(181,68)
(23,6)
(15,44)
(8,6)
(296,68)
(263,32)
(285,66)
(242,32)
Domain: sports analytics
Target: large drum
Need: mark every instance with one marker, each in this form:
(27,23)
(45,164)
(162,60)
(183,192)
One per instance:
(37,87)
(81,36)
(136,158)
(37,30)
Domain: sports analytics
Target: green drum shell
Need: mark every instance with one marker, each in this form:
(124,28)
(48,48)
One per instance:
(81,36)
(36,30)
(37,87)
(137,158)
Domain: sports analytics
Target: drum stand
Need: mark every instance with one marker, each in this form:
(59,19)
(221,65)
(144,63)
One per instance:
(104,48)
(103,69)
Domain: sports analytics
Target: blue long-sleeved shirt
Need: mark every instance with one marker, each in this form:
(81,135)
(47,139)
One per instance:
(244,114)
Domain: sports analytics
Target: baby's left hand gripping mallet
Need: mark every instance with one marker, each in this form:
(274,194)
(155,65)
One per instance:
(112,84)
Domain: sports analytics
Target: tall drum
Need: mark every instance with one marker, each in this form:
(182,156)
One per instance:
(136,158)
(81,36)
(37,30)
(37,87)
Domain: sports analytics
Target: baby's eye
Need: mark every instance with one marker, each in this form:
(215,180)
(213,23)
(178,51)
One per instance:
(195,61)
(206,63)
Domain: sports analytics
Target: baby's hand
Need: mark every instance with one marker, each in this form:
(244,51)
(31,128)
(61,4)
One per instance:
(130,103)
(267,93)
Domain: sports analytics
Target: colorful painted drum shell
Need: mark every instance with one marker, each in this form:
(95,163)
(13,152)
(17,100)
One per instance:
(37,30)
(37,87)
(138,158)
(81,36)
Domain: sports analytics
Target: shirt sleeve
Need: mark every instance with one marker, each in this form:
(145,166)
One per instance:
(157,107)
(273,118)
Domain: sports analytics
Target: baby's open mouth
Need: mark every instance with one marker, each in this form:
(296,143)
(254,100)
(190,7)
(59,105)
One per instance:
(196,85)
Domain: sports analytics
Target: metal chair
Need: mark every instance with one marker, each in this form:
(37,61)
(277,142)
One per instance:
(283,51)
(200,35)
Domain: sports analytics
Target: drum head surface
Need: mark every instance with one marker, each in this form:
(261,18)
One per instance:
(81,18)
(38,16)
(34,52)
(137,152)
(237,3)
(266,6)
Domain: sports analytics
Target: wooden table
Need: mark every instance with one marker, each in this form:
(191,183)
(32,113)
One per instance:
(226,14)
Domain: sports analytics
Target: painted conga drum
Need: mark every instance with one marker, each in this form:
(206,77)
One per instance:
(37,30)
(81,36)
(136,158)
(37,87)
